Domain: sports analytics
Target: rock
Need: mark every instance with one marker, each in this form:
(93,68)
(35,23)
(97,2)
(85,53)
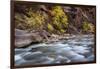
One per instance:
(24,38)
(19,32)
(22,43)
(44,34)
(54,36)
(40,35)
(53,40)
(36,38)
(67,9)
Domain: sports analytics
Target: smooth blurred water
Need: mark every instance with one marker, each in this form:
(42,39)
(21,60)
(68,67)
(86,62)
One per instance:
(79,48)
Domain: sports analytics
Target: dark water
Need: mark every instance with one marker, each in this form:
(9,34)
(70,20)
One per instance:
(75,49)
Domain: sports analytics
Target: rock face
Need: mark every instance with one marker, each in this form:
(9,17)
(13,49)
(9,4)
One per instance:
(24,38)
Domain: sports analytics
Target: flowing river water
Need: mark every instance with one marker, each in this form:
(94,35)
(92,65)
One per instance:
(78,48)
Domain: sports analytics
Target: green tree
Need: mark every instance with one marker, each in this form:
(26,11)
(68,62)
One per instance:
(60,19)
(88,27)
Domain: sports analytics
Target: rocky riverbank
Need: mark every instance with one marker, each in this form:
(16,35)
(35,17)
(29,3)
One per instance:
(25,38)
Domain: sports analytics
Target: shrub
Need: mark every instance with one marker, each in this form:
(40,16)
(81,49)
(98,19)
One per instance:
(35,21)
(60,19)
(50,27)
(88,27)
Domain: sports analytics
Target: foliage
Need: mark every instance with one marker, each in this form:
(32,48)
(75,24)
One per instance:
(60,20)
(50,27)
(88,27)
(35,21)
(54,19)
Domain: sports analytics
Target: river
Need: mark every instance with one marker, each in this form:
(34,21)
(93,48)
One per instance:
(78,48)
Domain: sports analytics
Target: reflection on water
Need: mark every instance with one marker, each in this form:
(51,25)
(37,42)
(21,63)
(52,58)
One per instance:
(76,49)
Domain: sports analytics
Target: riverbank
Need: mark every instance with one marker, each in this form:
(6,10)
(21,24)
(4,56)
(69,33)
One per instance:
(26,38)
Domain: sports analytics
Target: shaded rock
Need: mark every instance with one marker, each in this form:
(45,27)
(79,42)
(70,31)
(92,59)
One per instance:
(36,38)
(22,43)
(44,34)
(19,32)
(24,38)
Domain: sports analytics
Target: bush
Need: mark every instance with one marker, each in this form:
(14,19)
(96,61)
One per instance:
(60,19)
(50,27)
(35,21)
(88,27)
